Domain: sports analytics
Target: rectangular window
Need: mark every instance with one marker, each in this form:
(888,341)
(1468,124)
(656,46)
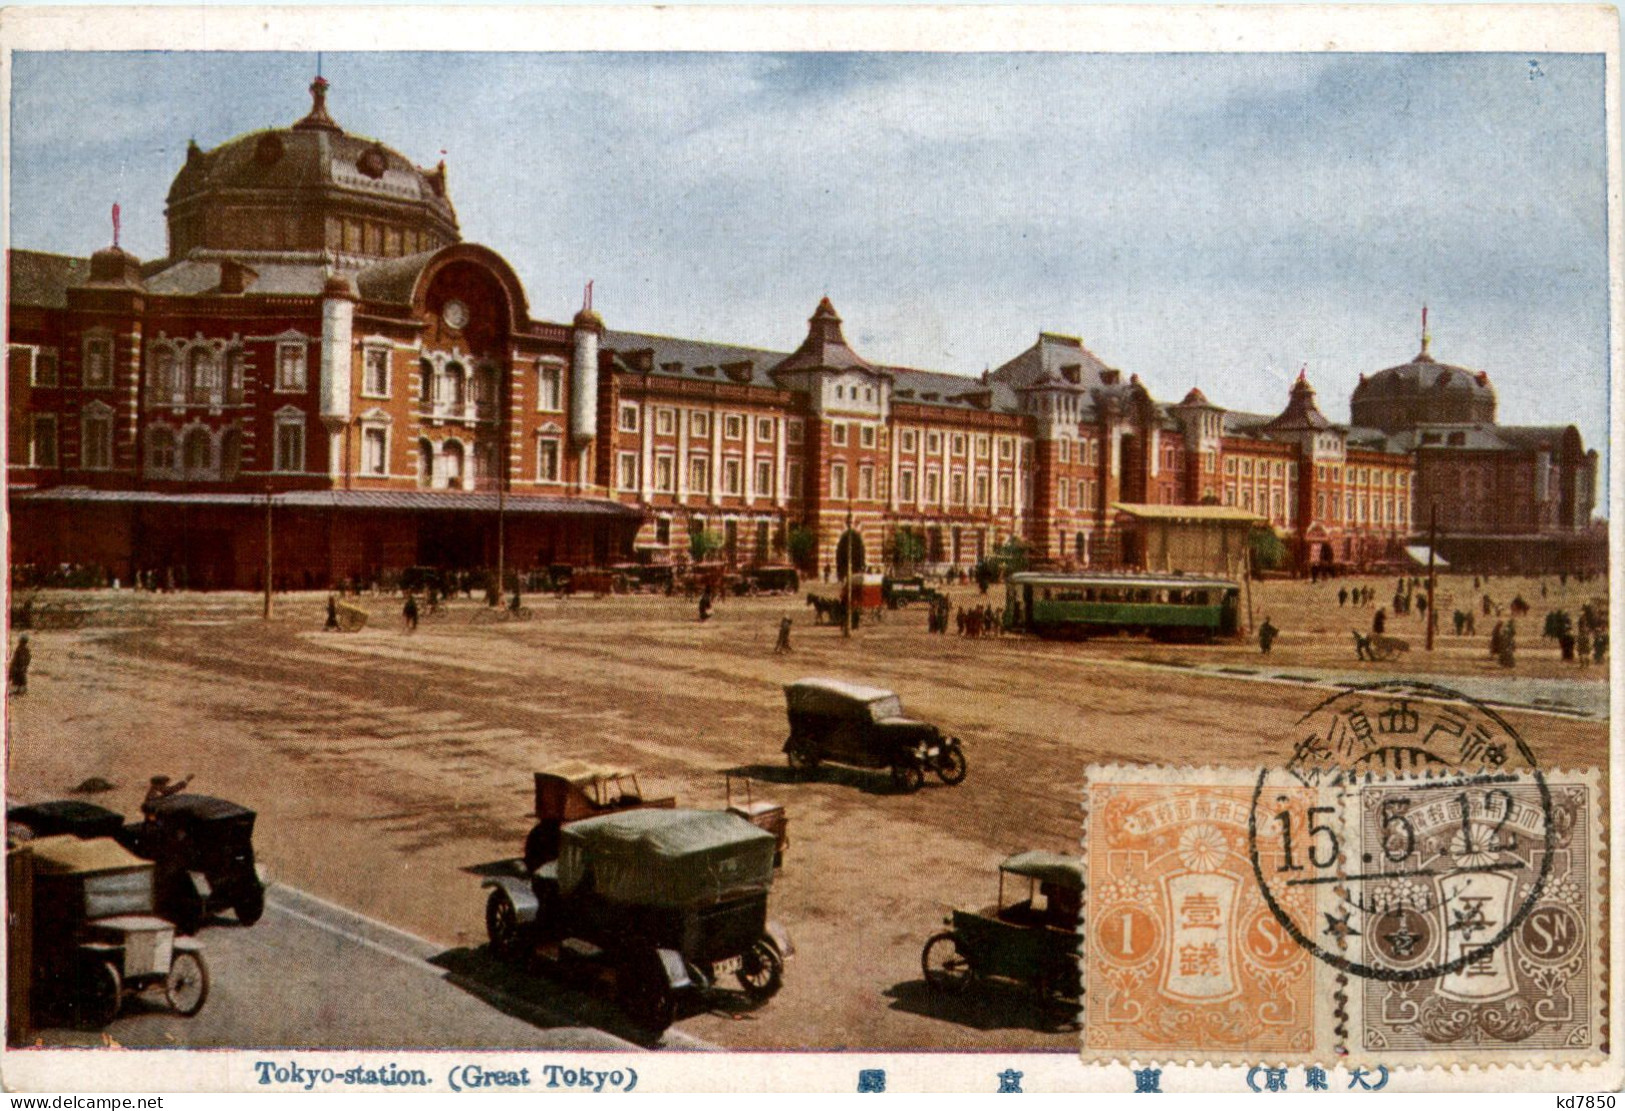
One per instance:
(1061,489)
(45,368)
(907,442)
(733,427)
(663,531)
(981,489)
(837,481)
(837,434)
(933,443)
(956,489)
(629,418)
(866,435)
(626,469)
(1007,448)
(96,372)
(792,479)
(1004,490)
(959,443)
(984,448)
(290,446)
(547,460)
(290,368)
(96,446)
(905,485)
(549,387)
(764,477)
(1064,451)
(699,474)
(665,473)
(933,487)
(764,430)
(730,475)
(42,445)
(793,431)
(699,423)
(665,421)
(866,483)
(375,372)
(375,451)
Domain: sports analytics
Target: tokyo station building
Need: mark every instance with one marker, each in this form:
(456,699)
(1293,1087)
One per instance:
(320,335)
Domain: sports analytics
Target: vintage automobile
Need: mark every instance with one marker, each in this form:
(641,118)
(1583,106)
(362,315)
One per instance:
(762,813)
(772,579)
(71,816)
(204,850)
(1033,941)
(94,935)
(845,723)
(901,593)
(572,790)
(673,901)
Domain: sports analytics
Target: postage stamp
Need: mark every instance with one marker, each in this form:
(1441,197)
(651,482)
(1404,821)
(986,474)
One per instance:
(601,548)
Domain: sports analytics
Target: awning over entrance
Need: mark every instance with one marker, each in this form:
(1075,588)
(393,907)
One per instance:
(1419,554)
(457,501)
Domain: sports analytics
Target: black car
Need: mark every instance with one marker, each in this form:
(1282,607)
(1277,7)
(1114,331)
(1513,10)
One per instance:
(80,819)
(674,901)
(204,851)
(845,723)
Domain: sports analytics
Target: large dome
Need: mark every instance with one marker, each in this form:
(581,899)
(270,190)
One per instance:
(309,187)
(1422,391)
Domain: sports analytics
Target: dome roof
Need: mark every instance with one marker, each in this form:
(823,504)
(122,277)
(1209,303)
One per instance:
(1422,391)
(1424,373)
(293,180)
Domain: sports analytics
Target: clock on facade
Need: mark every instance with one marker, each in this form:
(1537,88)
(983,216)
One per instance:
(455,314)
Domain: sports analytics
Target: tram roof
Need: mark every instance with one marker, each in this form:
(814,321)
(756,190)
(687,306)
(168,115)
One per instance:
(1062,578)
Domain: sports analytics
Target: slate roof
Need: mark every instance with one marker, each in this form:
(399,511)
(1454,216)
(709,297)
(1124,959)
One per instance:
(194,276)
(1425,373)
(41,280)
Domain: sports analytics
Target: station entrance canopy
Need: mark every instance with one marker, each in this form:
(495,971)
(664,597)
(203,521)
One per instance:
(1201,539)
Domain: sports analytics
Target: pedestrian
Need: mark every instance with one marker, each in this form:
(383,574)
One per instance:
(1460,620)
(1472,624)
(409,612)
(782,648)
(1379,622)
(1599,647)
(1509,645)
(705,604)
(1582,646)
(1266,636)
(1422,604)
(1495,640)
(160,787)
(332,613)
(20,658)
(1342,596)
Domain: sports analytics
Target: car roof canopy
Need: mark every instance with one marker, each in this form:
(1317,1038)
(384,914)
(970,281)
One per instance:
(666,857)
(830,696)
(65,855)
(202,807)
(1063,871)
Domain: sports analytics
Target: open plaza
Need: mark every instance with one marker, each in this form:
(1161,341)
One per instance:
(391,770)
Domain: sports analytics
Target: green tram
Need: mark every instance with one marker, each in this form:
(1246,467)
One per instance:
(1163,607)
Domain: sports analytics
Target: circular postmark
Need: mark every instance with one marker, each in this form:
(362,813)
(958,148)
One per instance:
(1408,837)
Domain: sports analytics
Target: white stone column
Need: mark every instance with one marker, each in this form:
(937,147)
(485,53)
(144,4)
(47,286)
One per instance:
(716,456)
(781,480)
(684,426)
(747,478)
(646,459)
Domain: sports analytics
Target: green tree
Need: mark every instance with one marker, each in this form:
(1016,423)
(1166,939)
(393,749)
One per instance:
(908,548)
(802,544)
(1268,552)
(703,543)
(1012,555)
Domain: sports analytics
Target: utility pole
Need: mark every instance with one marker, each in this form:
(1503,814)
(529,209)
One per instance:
(1433,541)
(270,552)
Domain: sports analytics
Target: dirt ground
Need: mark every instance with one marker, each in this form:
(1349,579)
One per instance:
(385,766)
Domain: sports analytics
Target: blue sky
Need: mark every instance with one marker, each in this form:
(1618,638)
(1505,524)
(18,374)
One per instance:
(1206,219)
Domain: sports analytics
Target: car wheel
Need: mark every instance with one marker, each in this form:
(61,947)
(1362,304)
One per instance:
(907,778)
(187,985)
(502,924)
(945,967)
(98,994)
(802,755)
(761,971)
(250,905)
(640,985)
(951,766)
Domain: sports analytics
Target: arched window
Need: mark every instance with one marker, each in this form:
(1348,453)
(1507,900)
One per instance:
(485,392)
(202,376)
(197,452)
(453,457)
(160,449)
(234,375)
(449,387)
(162,380)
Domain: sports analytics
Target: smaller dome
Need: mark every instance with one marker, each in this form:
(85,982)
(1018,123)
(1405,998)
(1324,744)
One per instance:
(340,285)
(115,266)
(588,318)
